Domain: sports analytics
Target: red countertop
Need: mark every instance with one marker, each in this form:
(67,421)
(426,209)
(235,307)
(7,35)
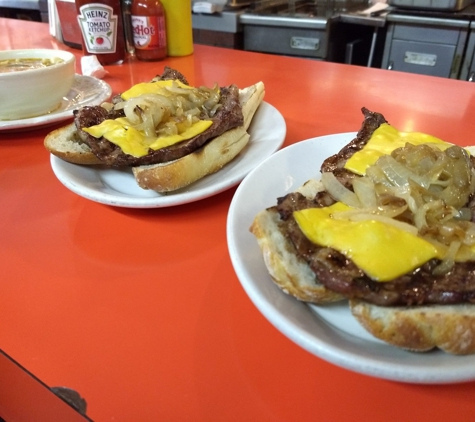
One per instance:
(141,312)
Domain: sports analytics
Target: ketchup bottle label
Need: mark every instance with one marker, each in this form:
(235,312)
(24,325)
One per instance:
(99,28)
(149,32)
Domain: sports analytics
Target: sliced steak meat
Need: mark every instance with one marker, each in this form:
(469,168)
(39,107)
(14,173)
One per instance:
(371,122)
(93,115)
(417,288)
(228,116)
(169,73)
(340,274)
(335,163)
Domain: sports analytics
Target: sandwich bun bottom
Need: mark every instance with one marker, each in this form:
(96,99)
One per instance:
(206,160)
(64,143)
(420,328)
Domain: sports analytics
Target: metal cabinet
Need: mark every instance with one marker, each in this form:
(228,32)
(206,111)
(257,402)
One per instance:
(288,36)
(467,72)
(31,10)
(218,29)
(428,46)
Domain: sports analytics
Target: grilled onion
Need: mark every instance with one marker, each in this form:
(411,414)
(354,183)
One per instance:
(435,188)
(171,111)
(338,191)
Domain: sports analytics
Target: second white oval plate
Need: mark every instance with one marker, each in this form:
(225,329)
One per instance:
(329,332)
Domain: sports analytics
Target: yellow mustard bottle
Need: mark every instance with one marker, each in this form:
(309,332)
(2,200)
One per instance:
(179,27)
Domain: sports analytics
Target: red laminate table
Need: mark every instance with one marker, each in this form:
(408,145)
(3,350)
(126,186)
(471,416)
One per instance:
(140,310)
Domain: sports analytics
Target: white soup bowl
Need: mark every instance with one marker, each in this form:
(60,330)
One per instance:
(35,92)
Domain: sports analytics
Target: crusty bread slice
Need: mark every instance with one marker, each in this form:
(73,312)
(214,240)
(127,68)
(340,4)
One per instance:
(65,144)
(173,175)
(290,272)
(250,99)
(420,328)
(215,154)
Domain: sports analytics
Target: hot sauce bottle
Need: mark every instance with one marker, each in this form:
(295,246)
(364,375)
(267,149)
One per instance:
(149,32)
(102,30)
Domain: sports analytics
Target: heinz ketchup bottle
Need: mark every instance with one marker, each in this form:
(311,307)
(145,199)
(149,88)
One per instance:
(148,27)
(102,29)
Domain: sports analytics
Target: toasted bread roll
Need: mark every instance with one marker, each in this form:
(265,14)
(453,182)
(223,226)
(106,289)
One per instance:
(65,144)
(291,273)
(173,175)
(250,98)
(420,328)
(177,174)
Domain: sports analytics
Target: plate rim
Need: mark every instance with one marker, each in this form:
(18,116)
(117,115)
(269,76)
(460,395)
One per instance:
(409,367)
(172,199)
(60,114)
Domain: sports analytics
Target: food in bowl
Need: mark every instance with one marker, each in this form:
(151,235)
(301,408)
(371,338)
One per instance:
(39,88)
(15,65)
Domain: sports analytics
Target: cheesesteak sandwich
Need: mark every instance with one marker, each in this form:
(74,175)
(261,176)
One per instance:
(169,133)
(388,227)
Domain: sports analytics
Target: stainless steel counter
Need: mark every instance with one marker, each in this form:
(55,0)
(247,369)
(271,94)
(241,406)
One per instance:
(287,35)
(442,20)
(26,7)
(429,42)
(226,21)
(21,4)
(360,19)
(284,21)
(433,45)
(467,71)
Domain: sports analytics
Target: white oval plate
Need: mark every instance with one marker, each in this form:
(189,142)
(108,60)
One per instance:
(329,332)
(118,187)
(86,90)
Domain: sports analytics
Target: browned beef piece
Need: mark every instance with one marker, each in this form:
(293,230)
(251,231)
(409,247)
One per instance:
(335,163)
(341,275)
(371,122)
(92,115)
(169,73)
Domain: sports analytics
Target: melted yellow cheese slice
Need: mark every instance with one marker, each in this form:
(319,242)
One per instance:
(134,142)
(385,140)
(152,88)
(383,252)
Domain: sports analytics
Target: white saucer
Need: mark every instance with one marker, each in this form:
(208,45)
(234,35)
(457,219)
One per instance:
(86,90)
